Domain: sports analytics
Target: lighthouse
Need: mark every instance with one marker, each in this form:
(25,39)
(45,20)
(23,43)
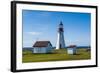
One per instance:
(60,37)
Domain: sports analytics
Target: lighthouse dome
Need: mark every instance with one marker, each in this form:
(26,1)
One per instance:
(61,25)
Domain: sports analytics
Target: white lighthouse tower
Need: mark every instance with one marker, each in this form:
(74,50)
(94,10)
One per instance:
(60,38)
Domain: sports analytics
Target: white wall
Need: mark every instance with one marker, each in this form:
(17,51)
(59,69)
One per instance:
(40,50)
(5,37)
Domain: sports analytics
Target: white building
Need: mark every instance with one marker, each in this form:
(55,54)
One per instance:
(71,49)
(60,38)
(42,47)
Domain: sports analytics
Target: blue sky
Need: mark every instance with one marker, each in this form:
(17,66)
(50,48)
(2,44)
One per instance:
(42,25)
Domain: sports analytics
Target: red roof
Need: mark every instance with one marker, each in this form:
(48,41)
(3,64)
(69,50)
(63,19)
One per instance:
(71,46)
(41,44)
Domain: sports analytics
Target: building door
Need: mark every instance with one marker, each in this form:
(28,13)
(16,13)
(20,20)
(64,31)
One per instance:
(60,46)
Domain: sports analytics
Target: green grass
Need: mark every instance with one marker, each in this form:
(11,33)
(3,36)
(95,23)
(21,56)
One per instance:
(56,55)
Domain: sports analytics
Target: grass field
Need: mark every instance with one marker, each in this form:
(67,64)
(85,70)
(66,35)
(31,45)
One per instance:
(56,55)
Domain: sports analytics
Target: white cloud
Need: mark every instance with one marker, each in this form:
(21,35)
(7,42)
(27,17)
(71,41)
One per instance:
(34,33)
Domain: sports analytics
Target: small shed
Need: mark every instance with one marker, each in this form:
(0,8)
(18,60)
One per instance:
(71,49)
(42,47)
